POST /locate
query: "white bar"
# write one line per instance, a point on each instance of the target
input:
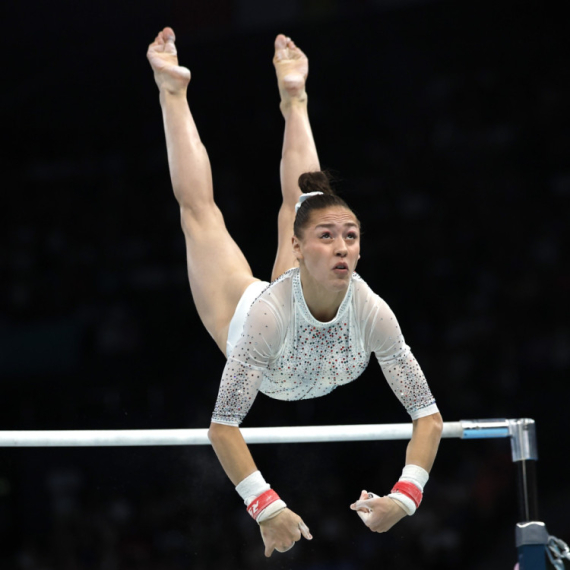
(302, 434)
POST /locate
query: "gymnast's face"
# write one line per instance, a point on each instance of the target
(329, 248)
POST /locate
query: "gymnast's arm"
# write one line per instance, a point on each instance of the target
(278, 533)
(240, 383)
(424, 444)
(405, 377)
(232, 451)
(380, 514)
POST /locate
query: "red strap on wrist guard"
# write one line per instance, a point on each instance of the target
(410, 490)
(262, 502)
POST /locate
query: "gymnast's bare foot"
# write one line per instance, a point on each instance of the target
(292, 68)
(163, 59)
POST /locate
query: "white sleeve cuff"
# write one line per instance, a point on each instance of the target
(423, 412)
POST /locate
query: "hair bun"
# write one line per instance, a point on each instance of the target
(318, 181)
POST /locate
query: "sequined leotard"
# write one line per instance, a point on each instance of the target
(287, 354)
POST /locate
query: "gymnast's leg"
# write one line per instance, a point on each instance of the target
(217, 269)
(299, 151)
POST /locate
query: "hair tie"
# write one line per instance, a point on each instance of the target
(303, 197)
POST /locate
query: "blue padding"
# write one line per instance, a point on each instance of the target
(486, 433)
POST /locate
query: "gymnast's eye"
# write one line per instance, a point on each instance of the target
(325, 235)
(352, 235)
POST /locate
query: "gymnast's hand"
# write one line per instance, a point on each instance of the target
(379, 514)
(282, 531)
(163, 59)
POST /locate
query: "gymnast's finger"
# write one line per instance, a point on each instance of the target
(362, 505)
(305, 531)
(269, 548)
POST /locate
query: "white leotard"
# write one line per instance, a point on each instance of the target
(287, 354)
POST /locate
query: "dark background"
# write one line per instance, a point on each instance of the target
(448, 125)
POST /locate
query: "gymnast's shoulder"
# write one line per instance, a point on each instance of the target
(273, 306)
(372, 312)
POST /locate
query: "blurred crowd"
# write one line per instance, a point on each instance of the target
(449, 130)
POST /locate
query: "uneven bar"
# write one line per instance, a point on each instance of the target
(299, 434)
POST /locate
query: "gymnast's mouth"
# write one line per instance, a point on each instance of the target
(342, 266)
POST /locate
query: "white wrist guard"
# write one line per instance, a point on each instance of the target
(416, 475)
(252, 486)
(262, 503)
(405, 502)
(408, 491)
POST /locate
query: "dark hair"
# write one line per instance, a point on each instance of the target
(319, 181)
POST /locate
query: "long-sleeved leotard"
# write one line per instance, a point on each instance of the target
(287, 354)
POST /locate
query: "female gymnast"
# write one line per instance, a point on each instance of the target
(314, 327)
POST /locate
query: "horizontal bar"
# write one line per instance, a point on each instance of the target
(300, 434)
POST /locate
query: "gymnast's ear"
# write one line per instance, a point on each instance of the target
(296, 248)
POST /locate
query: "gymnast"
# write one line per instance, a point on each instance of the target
(314, 327)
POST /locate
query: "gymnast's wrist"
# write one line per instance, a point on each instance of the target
(262, 502)
(408, 491)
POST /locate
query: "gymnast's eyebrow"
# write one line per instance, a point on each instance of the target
(352, 224)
